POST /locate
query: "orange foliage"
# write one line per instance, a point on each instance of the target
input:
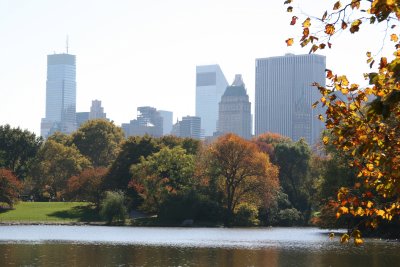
(9, 187)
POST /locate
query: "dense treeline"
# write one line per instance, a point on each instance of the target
(269, 180)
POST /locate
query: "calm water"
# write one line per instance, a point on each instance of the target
(133, 246)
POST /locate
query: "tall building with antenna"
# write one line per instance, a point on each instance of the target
(60, 94)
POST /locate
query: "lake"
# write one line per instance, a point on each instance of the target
(137, 246)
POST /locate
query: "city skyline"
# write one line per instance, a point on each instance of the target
(132, 51)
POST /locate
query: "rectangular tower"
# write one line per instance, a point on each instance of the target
(167, 121)
(60, 95)
(210, 86)
(284, 96)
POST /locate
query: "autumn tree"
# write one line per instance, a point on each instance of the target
(243, 172)
(9, 187)
(55, 164)
(99, 141)
(367, 131)
(87, 185)
(17, 149)
(162, 174)
(267, 142)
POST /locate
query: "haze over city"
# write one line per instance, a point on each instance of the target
(135, 53)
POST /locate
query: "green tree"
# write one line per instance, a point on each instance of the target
(242, 171)
(17, 149)
(98, 140)
(131, 151)
(192, 146)
(55, 164)
(9, 187)
(165, 173)
(293, 160)
(113, 207)
(60, 138)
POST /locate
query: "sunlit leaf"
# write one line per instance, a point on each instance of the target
(337, 5)
(331, 236)
(345, 238)
(358, 241)
(289, 9)
(344, 25)
(324, 16)
(329, 29)
(355, 26)
(289, 42)
(306, 23)
(325, 140)
(314, 48)
(394, 37)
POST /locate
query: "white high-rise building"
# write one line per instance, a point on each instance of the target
(210, 86)
(167, 121)
(60, 95)
(284, 96)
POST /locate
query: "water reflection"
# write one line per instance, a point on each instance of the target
(230, 247)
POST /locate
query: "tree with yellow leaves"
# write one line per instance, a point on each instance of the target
(367, 131)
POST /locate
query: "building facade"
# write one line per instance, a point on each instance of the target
(235, 110)
(97, 111)
(284, 96)
(167, 121)
(148, 121)
(60, 95)
(189, 126)
(210, 85)
(81, 118)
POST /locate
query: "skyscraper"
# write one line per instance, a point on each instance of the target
(149, 121)
(189, 126)
(284, 96)
(60, 95)
(235, 110)
(210, 85)
(97, 111)
(167, 121)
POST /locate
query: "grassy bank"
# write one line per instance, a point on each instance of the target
(49, 212)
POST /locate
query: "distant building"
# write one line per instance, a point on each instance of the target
(210, 85)
(167, 121)
(235, 110)
(81, 118)
(189, 126)
(284, 96)
(60, 95)
(97, 111)
(149, 121)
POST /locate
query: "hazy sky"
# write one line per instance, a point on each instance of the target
(135, 53)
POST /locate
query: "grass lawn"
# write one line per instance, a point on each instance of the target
(50, 212)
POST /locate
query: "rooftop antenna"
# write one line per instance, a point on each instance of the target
(67, 44)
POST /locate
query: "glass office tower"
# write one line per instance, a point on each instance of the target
(60, 95)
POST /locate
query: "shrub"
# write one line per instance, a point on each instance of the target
(246, 215)
(289, 217)
(113, 208)
(190, 205)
